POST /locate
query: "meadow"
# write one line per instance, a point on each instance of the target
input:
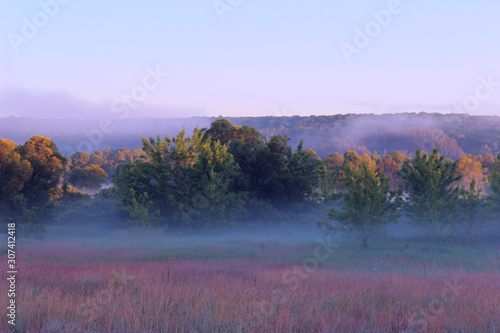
(250, 282)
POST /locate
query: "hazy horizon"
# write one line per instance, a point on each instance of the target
(181, 117)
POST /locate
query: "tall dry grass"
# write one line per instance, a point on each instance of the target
(106, 290)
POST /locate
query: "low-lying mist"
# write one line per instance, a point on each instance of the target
(89, 235)
(93, 234)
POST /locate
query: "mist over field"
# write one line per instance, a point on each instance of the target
(286, 277)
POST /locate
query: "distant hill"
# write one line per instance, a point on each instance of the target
(453, 134)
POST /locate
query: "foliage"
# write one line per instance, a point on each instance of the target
(29, 179)
(368, 207)
(80, 159)
(70, 194)
(101, 209)
(327, 183)
(272, 171)
(48, 166)
(228, 173)
(452, 134)
(221, 130)
(137, 206)
(30, 219)
(431, 198)
(185, 178)
(471, 202)
(15, 171)
(494, 189)
(89, 177)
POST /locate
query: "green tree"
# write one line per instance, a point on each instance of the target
(221, 130)
(138, 208)
(471, 202)
(432, 200)
(186, 179)
(326, 183)
(368, 207)
(29, 179)
(333, 177)
(283, 177)
(248, 148)
(90, 177)
(15, 172)
(352, 160)
(270, 170)
(494, 189)
(72, 195)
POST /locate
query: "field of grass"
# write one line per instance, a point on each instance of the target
(154, 283)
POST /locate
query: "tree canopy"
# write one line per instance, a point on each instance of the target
(432, 199)
(368, 207)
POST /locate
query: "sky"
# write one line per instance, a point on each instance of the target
(183, 58)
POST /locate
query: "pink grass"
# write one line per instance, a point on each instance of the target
(243, 295)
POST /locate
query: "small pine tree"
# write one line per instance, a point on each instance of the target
(137, 206)
(432, 200)
(494, 191)
(471, 202)
(369, 205)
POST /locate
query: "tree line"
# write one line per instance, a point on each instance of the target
(225, 173)
(453, 134)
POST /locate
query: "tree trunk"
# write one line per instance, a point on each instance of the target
(365, 243)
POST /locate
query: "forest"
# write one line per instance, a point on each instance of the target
(226, 174)
(453, 134)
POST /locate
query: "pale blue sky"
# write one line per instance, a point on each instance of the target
(279, 57)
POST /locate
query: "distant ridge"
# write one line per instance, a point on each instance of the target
(453, 134)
